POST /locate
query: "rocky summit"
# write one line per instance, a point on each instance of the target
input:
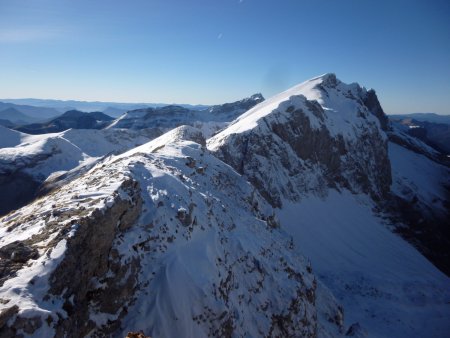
(317, 135)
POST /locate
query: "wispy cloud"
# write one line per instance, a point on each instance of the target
(28, 34)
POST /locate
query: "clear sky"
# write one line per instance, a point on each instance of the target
(213, 51)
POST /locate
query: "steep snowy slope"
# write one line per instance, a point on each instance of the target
(319, 153)
(28, 160)
(169, 239)
(166, 239)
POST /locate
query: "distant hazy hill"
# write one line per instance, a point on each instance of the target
(72, 119)
(36, 113)
(15, 116)
(114, 109)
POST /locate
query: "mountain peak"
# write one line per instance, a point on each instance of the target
(323, 122)
(257, 97)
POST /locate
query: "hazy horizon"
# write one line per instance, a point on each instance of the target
(9, 100)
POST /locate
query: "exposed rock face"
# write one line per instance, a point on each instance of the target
(371, 102)
(146, 240)
(295, 145)
(89, 256)
(167, 117)
(88, 235)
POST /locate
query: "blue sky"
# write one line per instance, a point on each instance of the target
(213, 51)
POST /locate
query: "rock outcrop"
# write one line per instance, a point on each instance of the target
(69, 247)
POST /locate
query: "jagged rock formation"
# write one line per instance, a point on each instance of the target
(165, 238)
(318, 134)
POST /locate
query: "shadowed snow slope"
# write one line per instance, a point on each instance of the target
(382, 281)
(165, 238)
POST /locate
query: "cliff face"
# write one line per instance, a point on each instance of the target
(316, 135)
(166, 239)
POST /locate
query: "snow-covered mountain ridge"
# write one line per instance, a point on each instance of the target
(198, 236)
(192, 247)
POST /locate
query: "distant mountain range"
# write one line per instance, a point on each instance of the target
(210, 119)
(27, 113)
(114, 109)
(15, 116)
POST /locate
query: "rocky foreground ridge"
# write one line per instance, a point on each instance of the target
(165, 238)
